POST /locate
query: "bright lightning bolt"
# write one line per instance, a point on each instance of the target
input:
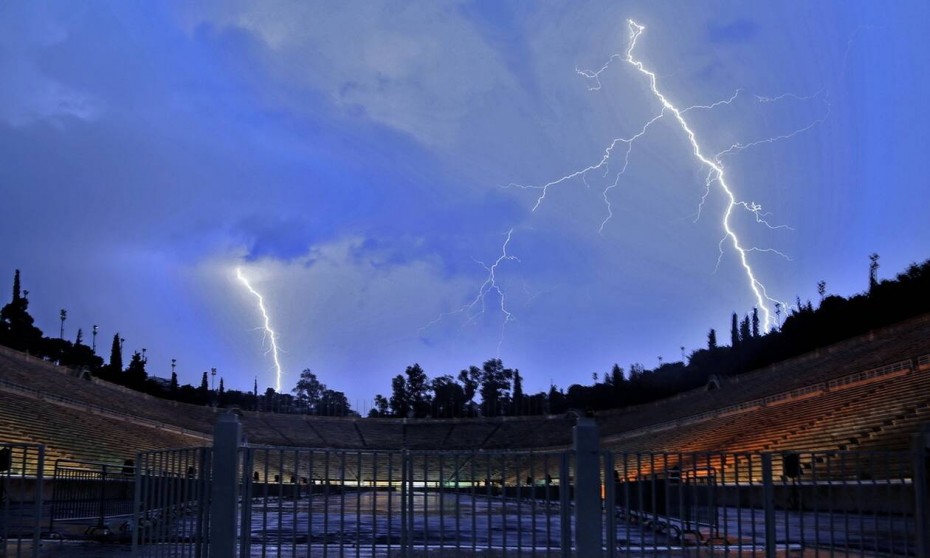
(624, 145)
(715, 169)
(267, 326)
(715, 175)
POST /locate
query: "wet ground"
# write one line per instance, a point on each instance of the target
(382, 524)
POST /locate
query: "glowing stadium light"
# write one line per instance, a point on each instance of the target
(269, 332)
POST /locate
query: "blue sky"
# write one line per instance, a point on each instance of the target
(361, 163)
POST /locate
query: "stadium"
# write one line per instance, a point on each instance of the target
(824, 454)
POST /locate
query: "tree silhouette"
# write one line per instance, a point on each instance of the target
(470, 378)
(116, 357)
(173, 386)
(17, 329)
(448, 397)
(204, 391)
(417, 388)
(135, 373)
(734, 331)
(873, 271)
(745, 333)
(400, 402)
(380, 408)
(494, 387)
(309, 391)
(711, 340)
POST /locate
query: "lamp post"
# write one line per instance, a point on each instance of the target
(212, 378)
(63, 315)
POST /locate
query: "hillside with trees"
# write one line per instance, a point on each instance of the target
(494, 389)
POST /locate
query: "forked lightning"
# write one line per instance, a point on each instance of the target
(267, 327)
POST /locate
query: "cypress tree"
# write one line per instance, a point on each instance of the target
(116, 355)
(173, 387)
(204, 387)
(16, 288)
(745, 332)
(734, 331)
(712, 340)
(17, 329)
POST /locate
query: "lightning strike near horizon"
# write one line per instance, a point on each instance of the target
(622, 147)
(715, 175)
(269, 332)
(715, 169)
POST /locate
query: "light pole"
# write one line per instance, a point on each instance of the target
(212, 378)
(94, 346)
(63, 315)
(144, 360)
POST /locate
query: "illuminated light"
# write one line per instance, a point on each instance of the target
(269, 332)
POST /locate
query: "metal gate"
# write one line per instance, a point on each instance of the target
(230, 501)
(88, 497)
(21, 493)
(172, 502)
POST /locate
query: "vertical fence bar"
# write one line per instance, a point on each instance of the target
(37, 510)
(921, 447)
(245, 521)
(610, 504)
(768, 505)
(587, 488)
(404, 488)
(565, 517)
(225, 491)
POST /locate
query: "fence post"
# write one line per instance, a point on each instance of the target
(921, 494)
(224, 495)
(587, 488)
(768, 504)
(565, 516)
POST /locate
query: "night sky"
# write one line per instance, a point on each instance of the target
(375, 171)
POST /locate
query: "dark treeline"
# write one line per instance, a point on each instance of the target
(494, 389)
(805, 328)
(18, 331)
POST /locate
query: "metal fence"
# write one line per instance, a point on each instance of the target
(768, 504)
(260, 501)
(21, 495)
(88, 497)
(172, 499)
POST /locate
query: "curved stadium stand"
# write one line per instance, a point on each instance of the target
(869, 392)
